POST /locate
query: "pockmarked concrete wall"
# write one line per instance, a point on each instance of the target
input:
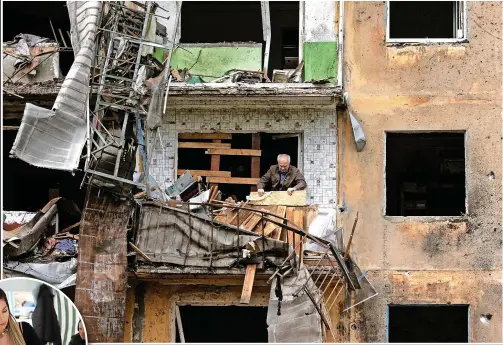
(424, 87)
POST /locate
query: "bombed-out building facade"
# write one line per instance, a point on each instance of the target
(140, 130)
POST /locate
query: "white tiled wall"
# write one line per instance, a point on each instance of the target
(317, 125)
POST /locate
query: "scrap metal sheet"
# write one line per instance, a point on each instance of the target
(166, 234)
(55, 138)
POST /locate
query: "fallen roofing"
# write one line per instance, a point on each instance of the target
(55, 138)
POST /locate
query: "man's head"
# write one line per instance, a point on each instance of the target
(283, 162)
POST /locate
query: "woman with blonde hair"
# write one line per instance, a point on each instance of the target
(11, 331)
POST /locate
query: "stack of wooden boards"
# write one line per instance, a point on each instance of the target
(296, 216)
(299, 217)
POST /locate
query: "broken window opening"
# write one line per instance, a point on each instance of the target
(32, 17)
(214, 22)
(226, 324)
(435, 323)
(425, 174)
(216, 17)
(284, 52)
(28, 188)
(235, 166)
(410, 21)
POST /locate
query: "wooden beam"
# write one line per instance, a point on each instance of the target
(233, 180)
(255, 161)
(221, 136)
(10, 128)
(248, 283)
(215, 162)
(234, 152)
(194, 145)
(138, 250)
(204, 173)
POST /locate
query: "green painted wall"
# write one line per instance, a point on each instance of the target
(320, 61)
(215, 61)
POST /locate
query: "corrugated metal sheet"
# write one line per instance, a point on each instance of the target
(55, 138)
(166, 234)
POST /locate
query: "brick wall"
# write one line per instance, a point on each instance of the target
(100, 293)
(317, 125)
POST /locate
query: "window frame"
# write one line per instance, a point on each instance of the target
(463, 21)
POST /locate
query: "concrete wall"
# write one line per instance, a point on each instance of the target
(150, 308)
(319, 39)
(216, 59)
(424, 88)
(316, 125)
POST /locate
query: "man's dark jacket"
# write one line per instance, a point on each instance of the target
(76, 340)
(44, 318)
(271, 179)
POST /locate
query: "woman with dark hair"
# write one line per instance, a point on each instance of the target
(79, 338)
(11, 331)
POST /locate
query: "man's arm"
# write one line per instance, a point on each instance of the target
(299, 181)
(264, 180)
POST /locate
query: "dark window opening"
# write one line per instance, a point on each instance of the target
(216, 22)
(284, 51)
(428, 324)
(271, 144)
(425, 19)
(32, 17)
(425, 174)
(28, 188)
(227, 324)
(212, 22)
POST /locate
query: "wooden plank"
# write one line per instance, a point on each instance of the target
(255, 161)
(281, 235)
(298, 198)
(215, 162)
(243, 216)
(270, 227)
(10, 128)
(137, 250)
(233, 180)
(298, 220)
(195, 145)
(179, 324)
(289, 216)
(234, 152)
(252, 221)
(248, 283)
(205, 173)
(188, 136)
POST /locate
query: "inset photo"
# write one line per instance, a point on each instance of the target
(35, 313)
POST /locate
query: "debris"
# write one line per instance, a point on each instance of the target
(142, 254)
(180, 185)
(281, 76)
(346, 252)
(53, 272)
(241, 76)
(359, 136)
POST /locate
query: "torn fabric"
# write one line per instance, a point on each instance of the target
(55, 138)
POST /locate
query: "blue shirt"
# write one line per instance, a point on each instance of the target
(282, 177)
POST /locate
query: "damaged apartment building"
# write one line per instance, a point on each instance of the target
(135, 133)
